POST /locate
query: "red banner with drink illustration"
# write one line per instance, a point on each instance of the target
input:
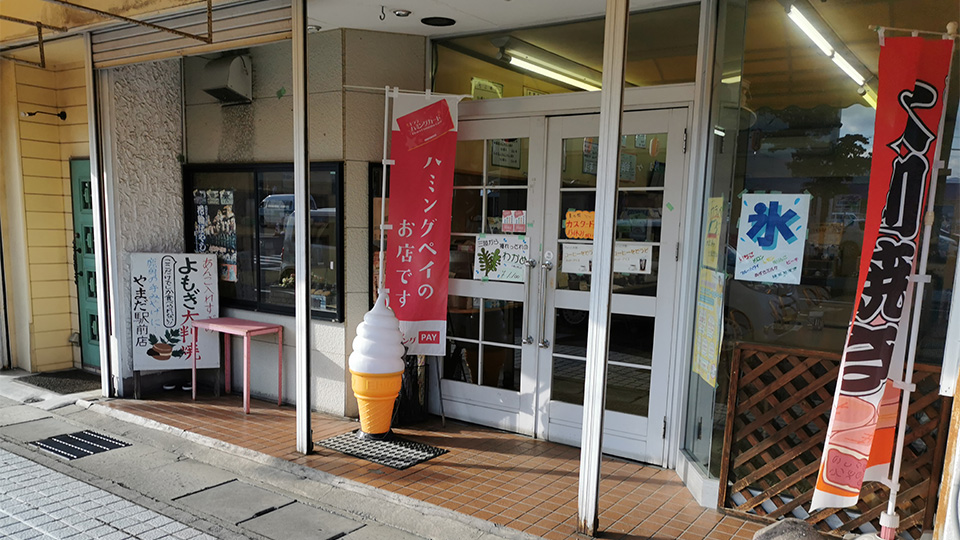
(861, 435)
(423, 145)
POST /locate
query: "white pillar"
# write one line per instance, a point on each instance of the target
(301, 194)
(608, 168)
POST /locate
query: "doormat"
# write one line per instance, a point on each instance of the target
(79, 444)
(70, 381)
(396, 453)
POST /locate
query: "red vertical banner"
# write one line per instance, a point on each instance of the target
(423, 146)
(861, 435)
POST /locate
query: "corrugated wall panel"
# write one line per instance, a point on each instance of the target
(234, 26)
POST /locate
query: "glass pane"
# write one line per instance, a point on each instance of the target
(576, 201)
(638, 215)
(570, 333)
(467, 209)
(463, 314)
(468, 169)
(636, 267)
(500, 201)
(501, 367)
(579, 165)
(508, 162)
(461, 362)
(461, 256)
(568, 376)
(628, 390)
(503, 322)
(631, 339)
(643, 159)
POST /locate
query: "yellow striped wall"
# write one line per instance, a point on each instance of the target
(46, 146)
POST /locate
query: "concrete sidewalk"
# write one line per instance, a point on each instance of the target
(213, 487)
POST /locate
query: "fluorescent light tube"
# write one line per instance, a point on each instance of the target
(842, 63)
(733, 79)
(523, 64)
(870, 100)
(810, 31)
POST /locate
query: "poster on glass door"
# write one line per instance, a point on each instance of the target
(772, 234)
(167, 292)
(628, 258)
(501, 258)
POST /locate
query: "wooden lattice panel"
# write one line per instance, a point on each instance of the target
(777, 417)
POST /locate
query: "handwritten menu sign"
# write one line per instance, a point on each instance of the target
(772, 234)
(628, 258)
(579, 224)
(168, 291)
(500, 258)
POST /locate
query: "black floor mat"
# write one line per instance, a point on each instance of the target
(79, 444)
(64, 382)
(396, 453)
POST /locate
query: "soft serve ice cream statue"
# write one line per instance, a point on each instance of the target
(376, 367)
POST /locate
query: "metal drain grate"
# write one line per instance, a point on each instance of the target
(79, 444)
(396, 453)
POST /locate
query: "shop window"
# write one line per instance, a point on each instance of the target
(788, 120)
(244, 213)
(662, 49)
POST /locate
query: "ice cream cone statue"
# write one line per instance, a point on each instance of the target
(376, 366)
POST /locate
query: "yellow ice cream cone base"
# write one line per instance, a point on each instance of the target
(376, 394)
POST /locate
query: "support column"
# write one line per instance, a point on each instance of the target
(608, 168)
(301, 194)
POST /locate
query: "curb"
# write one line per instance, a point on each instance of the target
(312, 474)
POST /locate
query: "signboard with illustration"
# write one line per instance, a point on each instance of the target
(772, 234)
(628, 258)
(215, 230)
(167, 292)
(500, 258)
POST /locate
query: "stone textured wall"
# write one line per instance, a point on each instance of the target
(146, 131)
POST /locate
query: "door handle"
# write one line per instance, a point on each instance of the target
(528, 266)
(545, 267)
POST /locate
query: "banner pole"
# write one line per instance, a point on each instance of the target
(889, 520)
(383, 184)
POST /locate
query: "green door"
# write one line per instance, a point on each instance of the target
(84, 261)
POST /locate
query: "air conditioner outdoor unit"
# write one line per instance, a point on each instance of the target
(229, 79)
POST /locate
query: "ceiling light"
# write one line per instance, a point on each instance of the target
(523, 64)
(438, 21)
(734, 79)
(870, 100)
(842, 63)
(524, 55)
(810, 31)
(402, 12)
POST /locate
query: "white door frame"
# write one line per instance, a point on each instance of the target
(680, 96)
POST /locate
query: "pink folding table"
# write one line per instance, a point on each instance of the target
(247, 329)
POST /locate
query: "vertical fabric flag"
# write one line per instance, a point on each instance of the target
(423, 145)
(860, 438)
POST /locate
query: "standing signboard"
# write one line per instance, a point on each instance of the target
(423, 145)
(863, 422)
(167, 292)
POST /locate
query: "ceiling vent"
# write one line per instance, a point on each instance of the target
(229, 79)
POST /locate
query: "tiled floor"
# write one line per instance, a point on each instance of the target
(505, 478)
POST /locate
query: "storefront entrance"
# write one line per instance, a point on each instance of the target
(517, 349)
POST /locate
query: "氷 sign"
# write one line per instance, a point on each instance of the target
(423, 146)
(863, 422)
(167, 292)
(772, 234)
(500, 258)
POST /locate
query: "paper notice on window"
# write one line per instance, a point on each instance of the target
(500, 258)
(628, 258)
(579, 224)
(709, 331)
